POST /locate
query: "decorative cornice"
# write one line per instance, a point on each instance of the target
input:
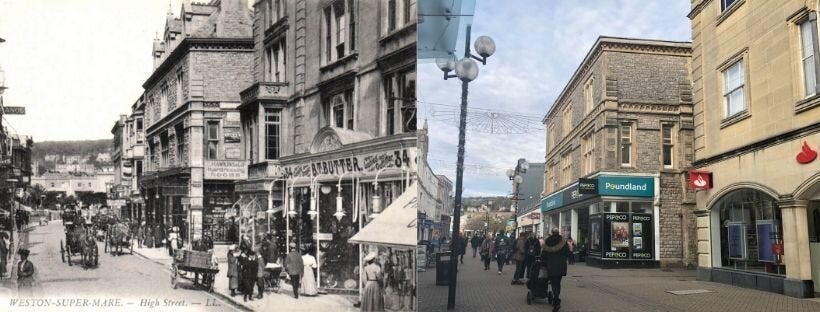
(276, 30)
(698, 8)
(758, 145)
(649, 108)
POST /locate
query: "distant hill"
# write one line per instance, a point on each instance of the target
(86, 149)
(495, 202)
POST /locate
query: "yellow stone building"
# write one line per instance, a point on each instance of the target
(757, 129)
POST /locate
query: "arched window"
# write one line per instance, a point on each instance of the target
(747, 232)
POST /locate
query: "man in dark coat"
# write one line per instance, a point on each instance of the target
(474, 242)
(533, 249)
(295, 268)
(249, 267)
(555, 253)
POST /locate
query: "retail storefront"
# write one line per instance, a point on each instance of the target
(612, 218)
(530, 222)
(321, 199)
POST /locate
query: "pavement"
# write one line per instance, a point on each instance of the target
(593, 289)
(283, 300)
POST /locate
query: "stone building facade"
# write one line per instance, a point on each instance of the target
(624, 120)
(329, 129)
(757, 133)
(192, 127)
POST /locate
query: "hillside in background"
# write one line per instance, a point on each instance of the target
(86, 149)
(495, 202)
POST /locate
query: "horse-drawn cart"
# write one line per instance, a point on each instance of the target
(118, 236)
(77, 241)
(197, 262)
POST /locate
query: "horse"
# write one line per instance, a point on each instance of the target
(118, 236)
(88, 248)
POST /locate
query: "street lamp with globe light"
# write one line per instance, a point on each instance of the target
(466, 70)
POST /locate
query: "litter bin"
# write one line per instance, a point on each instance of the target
(443, 260)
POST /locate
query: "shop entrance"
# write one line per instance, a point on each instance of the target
(813, 222)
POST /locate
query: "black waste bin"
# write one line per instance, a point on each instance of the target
(443, 260)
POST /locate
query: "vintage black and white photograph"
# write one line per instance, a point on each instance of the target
(212, 155)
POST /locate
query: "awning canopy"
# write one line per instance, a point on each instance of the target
(396, 225)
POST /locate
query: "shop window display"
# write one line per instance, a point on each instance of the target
(218, 200)
(339, 258)
(399, 277)
(749, 228)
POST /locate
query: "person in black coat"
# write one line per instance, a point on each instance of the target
(555, 253)
(475, 242)
(249, 268)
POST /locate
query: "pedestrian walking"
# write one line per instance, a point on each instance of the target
(461, 244)
(571, 244)
(555, 253)
(233, 269)
(25, 275)
(511, 240)
(249, 268)
(173, 241)
(519, 252)
(148, 240)
(295, 268)
(261, 275)
(308, 279)
(487, 245)
(141, 234)
(501, 250)
(373, 294)
(475, 242)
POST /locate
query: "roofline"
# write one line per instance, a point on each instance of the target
(599, 47)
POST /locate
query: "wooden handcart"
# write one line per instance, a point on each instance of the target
(197, 262)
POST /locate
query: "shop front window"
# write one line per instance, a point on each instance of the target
(218, 200)
(748, 230)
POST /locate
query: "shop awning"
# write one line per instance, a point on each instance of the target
(395, 226)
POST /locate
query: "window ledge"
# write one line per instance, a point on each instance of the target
(807, 103)
(339, 62)
(728, 11)
(397, 32)
(737, 117)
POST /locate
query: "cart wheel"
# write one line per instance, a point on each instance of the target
(529, 298)
(62, 251)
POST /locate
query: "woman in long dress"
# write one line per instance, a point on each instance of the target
(373, 295)
(308, 279)
(233, 269)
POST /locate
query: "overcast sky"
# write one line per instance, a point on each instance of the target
(539, 44)
(76, 65)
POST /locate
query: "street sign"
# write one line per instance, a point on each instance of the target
(14, 110)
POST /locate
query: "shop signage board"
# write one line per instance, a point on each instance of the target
(626, 186)
(362, 163)
(568, 196)
(14, 110)
(700, 180)
(588, 186)
(226, 170)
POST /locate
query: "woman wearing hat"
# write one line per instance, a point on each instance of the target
(308, 279)
(25, 275)
(233, 269)
(173, 241)
(373, 295)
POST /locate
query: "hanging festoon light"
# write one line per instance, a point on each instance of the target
(292, 204)
(377, 200)
(340, 213)
(312, 213)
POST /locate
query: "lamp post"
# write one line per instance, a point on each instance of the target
(467, 70)
(515, 176)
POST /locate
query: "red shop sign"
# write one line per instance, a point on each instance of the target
(806, 154)
(700, 180)
(535, 216)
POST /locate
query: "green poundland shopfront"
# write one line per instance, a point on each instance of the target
(612, 218)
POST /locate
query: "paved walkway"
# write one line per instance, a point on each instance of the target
(592, 289)
(282, 301)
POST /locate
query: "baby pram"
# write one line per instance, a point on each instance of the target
(538, 284)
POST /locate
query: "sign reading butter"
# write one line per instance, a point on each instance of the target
(403, 158)
(226, 170)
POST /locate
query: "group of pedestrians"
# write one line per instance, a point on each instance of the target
(247, 268)
(555, 251)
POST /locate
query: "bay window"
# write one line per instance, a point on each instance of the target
(272, 133)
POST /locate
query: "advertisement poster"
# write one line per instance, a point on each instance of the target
(765, 239)
(642, 237)
(637, 229)
(620, 235)
(637, 243)
(737, 242)
(595, 233)
(231, 135)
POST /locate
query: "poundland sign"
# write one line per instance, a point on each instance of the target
(626, 186)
